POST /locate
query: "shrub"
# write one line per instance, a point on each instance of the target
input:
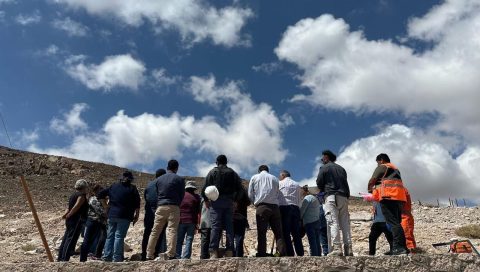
(469, 231)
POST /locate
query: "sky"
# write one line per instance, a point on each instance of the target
(135, 83)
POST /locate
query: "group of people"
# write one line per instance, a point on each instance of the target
(174, 212)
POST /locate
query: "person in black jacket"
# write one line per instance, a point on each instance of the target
(75, 216)
(123, 208)
(170, 192)
(240, 221)
(228, 184)
(332, 180)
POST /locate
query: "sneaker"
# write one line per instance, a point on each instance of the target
(213, 254)
(348, 251)
(387, 253)
(401, 251)
(228, 254)
(161, 257)
(335, 252)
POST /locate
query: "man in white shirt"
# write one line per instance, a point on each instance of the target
(263, 191)
(290, 213)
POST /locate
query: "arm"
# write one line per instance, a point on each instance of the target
(137, 206)
(303, 208)
(377, 175)
(76, 207)
(251, 191)
(320, 180)
(208, 182)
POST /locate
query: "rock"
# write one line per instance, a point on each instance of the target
(2, 216)
(127, 247)
(31, 252)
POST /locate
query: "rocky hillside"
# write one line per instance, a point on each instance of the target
(51, 180)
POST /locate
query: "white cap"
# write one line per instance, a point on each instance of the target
(212, 192)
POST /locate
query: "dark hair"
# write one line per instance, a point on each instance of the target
(97, 188)
(285, 173)
(172, 165)
(127, 175)
(160, 172)
(263, 167)
(222, 160)
(383, 157)
(331, 156)
(305, 189)
(190, 190)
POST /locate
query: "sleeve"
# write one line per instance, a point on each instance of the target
(136, 198)
(208, 182)
(304, 206)
(251, 190)
(320, 180)
(182, 189)
(103, 193)
(377, 175)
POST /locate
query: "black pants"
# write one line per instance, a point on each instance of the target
(269, 214)
(392, 210)
(70, 238)
(239, 227)
(291, 229)
(204, 243)
(92, 230)
(375, 231)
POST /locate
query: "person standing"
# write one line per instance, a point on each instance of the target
(264, 192)
(189, 211)
(94, 224)
(386, 187)
(310, 214)
(123, 208)
(170, 192)
(290, 213)
(332, 180)
(205, 229)
(378, 227)
(323, 225)
(228, 184)
(240, 221)
(408, 223)
(74, 216)
(151, 199)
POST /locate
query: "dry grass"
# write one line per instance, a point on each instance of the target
(469, 231)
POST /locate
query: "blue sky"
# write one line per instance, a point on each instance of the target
(135, 83)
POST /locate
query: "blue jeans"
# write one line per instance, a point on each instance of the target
(92, 231)
(313, 234)
(239, 227)
(291, 229)
(323, 233)
(221, 215)
(116, 232)
(187, 230)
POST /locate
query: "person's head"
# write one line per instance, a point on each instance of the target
(221, 160)
(328, 156)
(81, 185)
(96, 189)
(382, 158)
(263, 167)
(173, 166)
(127, 176)
(305, 190)
(160, 172)
(283, 174)
(190, 186)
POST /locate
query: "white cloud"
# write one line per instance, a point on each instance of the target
(119, 71)
(161, 78)
(428, 169)
(268, 68)
(71, 121)
(2, 15)
(195, 20)
(251, 135)
(71, 27)
(29, 19)
(344, 71)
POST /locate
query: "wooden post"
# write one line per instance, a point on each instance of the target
(438, 203)
(37, 221)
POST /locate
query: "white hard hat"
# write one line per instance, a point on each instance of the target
(212, 192)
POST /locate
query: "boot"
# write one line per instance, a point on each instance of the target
(213, 254)
(336, 251)
(228, 253)
(347, 250)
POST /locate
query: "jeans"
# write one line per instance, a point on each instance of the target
(70, 238)
(239, 227)
(323, 233)
(269, 214)
(205, 243)
(148, 222)
(392, 210)
(338, 219)
(164, 215)
(375, 231)
(185, 232)
(92, 232)
(221, 215)
(116, 232)
(313, 234)
(291, 229)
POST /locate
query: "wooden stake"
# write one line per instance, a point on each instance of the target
(37, 221)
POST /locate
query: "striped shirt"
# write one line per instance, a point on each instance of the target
(263, 188)
(291, 191)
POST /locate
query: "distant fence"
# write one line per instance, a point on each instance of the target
(452, 202)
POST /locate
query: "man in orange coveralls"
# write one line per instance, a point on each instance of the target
(408, 223)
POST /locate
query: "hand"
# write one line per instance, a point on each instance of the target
(367, 197)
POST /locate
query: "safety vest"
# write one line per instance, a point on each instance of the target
(391, 186)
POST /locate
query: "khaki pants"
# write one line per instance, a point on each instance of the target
(165, 214)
